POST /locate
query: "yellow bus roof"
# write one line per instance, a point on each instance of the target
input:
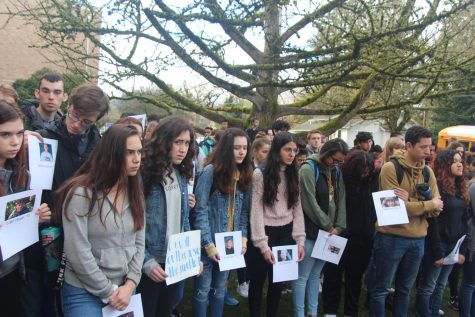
(459, 131)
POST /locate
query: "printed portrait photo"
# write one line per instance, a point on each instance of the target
(19, 207)
(390, 202)
(229, 244)
(129, 314)
(46, 153)
(284, 255)
(334, 249)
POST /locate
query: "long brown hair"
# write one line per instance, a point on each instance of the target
(8, 113)
(224, 164)
(450, 184)
(157, 164)
(106, 167)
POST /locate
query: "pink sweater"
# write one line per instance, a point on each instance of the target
(276, 215)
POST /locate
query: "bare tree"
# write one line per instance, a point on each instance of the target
(355, 45)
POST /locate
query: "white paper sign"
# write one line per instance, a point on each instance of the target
(453, 256)
(390, 210)
(329, 247)
(142, 118)
(18, 222)
(41, 160)
(229, 245)
(133, 310)
(285, 267)
(183, 256)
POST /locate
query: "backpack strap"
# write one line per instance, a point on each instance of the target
(400, 171)
(314, 168)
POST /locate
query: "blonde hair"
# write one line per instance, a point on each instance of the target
(393, 144)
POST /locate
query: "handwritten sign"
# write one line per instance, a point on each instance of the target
(183, 256)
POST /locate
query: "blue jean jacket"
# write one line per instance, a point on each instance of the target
(210, 214)
(156, 218)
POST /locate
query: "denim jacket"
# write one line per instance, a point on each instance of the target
(156, 219)
(210, 214)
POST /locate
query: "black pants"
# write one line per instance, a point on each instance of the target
(158, 299)
(259, 270)
(353, 264)
(10, 288)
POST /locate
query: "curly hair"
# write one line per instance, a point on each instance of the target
(451, 184)
(157, 164)
(271, 172)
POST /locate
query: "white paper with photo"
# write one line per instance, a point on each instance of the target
(229, 245)
(41, 162)
(286, 267)
(183, 256)
(142, 118)
(134, 309)
(390, 209)
(18, 228)
(329, 247)
(453, 256)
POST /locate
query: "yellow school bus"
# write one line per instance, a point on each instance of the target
(464, 134)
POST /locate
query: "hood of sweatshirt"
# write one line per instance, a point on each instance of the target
(413, 170)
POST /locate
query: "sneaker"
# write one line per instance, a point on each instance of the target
(230, 300)
(243, 289)
(454, 303)
(441, 312)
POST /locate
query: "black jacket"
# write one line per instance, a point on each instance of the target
(449, 226)
(360, 212)
(68, 158)
(33, 120)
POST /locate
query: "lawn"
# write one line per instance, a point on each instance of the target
(285, 308)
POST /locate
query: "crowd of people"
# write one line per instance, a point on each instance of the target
(116, 200)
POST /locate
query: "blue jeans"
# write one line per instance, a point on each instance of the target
(309, 279)
(393, 256)
(77, 302)
(210, 279)
(432, 284)
(467, 290)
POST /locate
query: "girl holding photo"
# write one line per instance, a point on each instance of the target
(276, 218)
(103, 222)
(223, 201)
(14, 178)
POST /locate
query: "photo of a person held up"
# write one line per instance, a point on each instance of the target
(389, 202)
(284, 255)
(229, 244)
(46, 154)
(334, 249)
(19, 207)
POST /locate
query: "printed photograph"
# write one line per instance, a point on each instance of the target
(46, 153)
(229, 244)
(129, 314)
(389, 202)
(284, 255)
(19, 207)
(334, 249)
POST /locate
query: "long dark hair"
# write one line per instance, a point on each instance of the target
(451, 184)
(357, 162)
(224, 164)
(8, 113)
(157, 164)
(271, 172)
(106, 167)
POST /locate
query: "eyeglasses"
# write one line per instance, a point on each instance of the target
(289, 150)
(84, 122)
(337, 161)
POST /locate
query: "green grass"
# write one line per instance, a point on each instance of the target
(285, 307)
